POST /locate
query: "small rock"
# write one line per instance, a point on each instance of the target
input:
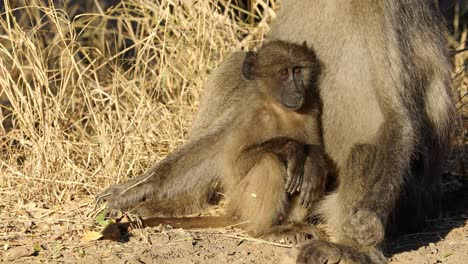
(431, 245)
(27, 225)
(187, 244)
(30, 205)
(179, 231)
(159, 228)
(18, 252)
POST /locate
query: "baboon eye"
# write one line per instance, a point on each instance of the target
(297, 70)
(284, 72)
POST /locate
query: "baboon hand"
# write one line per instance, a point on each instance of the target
(293, 153)
(311, 189)
(121, 196)
(365, 227)
(313, 184)
(295, 177)
(319, 252)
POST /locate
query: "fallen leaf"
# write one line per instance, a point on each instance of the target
(91, 236)
(37, 247)
(102, 220)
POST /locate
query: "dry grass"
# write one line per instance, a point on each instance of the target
(91, 99)
(91, 96)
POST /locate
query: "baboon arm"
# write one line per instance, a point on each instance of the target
(291, 153)
(391, 165)
(371, 182)
(177, 164)
(306, 168)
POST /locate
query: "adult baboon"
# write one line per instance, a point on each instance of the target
(387, 116)
(278, 124)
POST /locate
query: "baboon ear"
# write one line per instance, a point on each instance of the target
(304, 44)
(248, 67)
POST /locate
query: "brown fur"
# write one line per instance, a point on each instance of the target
(244, 153)
(387, 116)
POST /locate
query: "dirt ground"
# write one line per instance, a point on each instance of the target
(31, 233)
(438, 245)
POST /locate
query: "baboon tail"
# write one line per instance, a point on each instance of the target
(118, 231)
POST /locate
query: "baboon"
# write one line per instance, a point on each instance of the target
(387, 117)
(266, 154)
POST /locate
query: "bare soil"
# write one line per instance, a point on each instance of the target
(31, 233)
(224, 246)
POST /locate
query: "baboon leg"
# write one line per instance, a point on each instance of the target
(260, 197)
(370, 183)
(358, 230)
(341, 209)
(421, 195)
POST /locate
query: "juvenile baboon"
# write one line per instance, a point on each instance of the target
(265, 154)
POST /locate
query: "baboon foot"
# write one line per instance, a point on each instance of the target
(365, 227)
(319, 252)
(294, 234)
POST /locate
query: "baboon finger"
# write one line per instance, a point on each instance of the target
(292, 187)
(299, 175)
(290, 173)
(304, 197)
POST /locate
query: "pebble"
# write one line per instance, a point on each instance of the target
(18, 252)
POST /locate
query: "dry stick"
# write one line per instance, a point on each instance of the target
(260, 241)
(238, 224)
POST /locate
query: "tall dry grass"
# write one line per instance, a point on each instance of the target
(91, 99)
(91, 96)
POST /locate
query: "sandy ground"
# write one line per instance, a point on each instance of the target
(447, 242)
(33, 234)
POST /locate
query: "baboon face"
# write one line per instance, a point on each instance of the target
(284, 71)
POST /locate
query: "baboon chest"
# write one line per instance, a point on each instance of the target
(276, 121)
